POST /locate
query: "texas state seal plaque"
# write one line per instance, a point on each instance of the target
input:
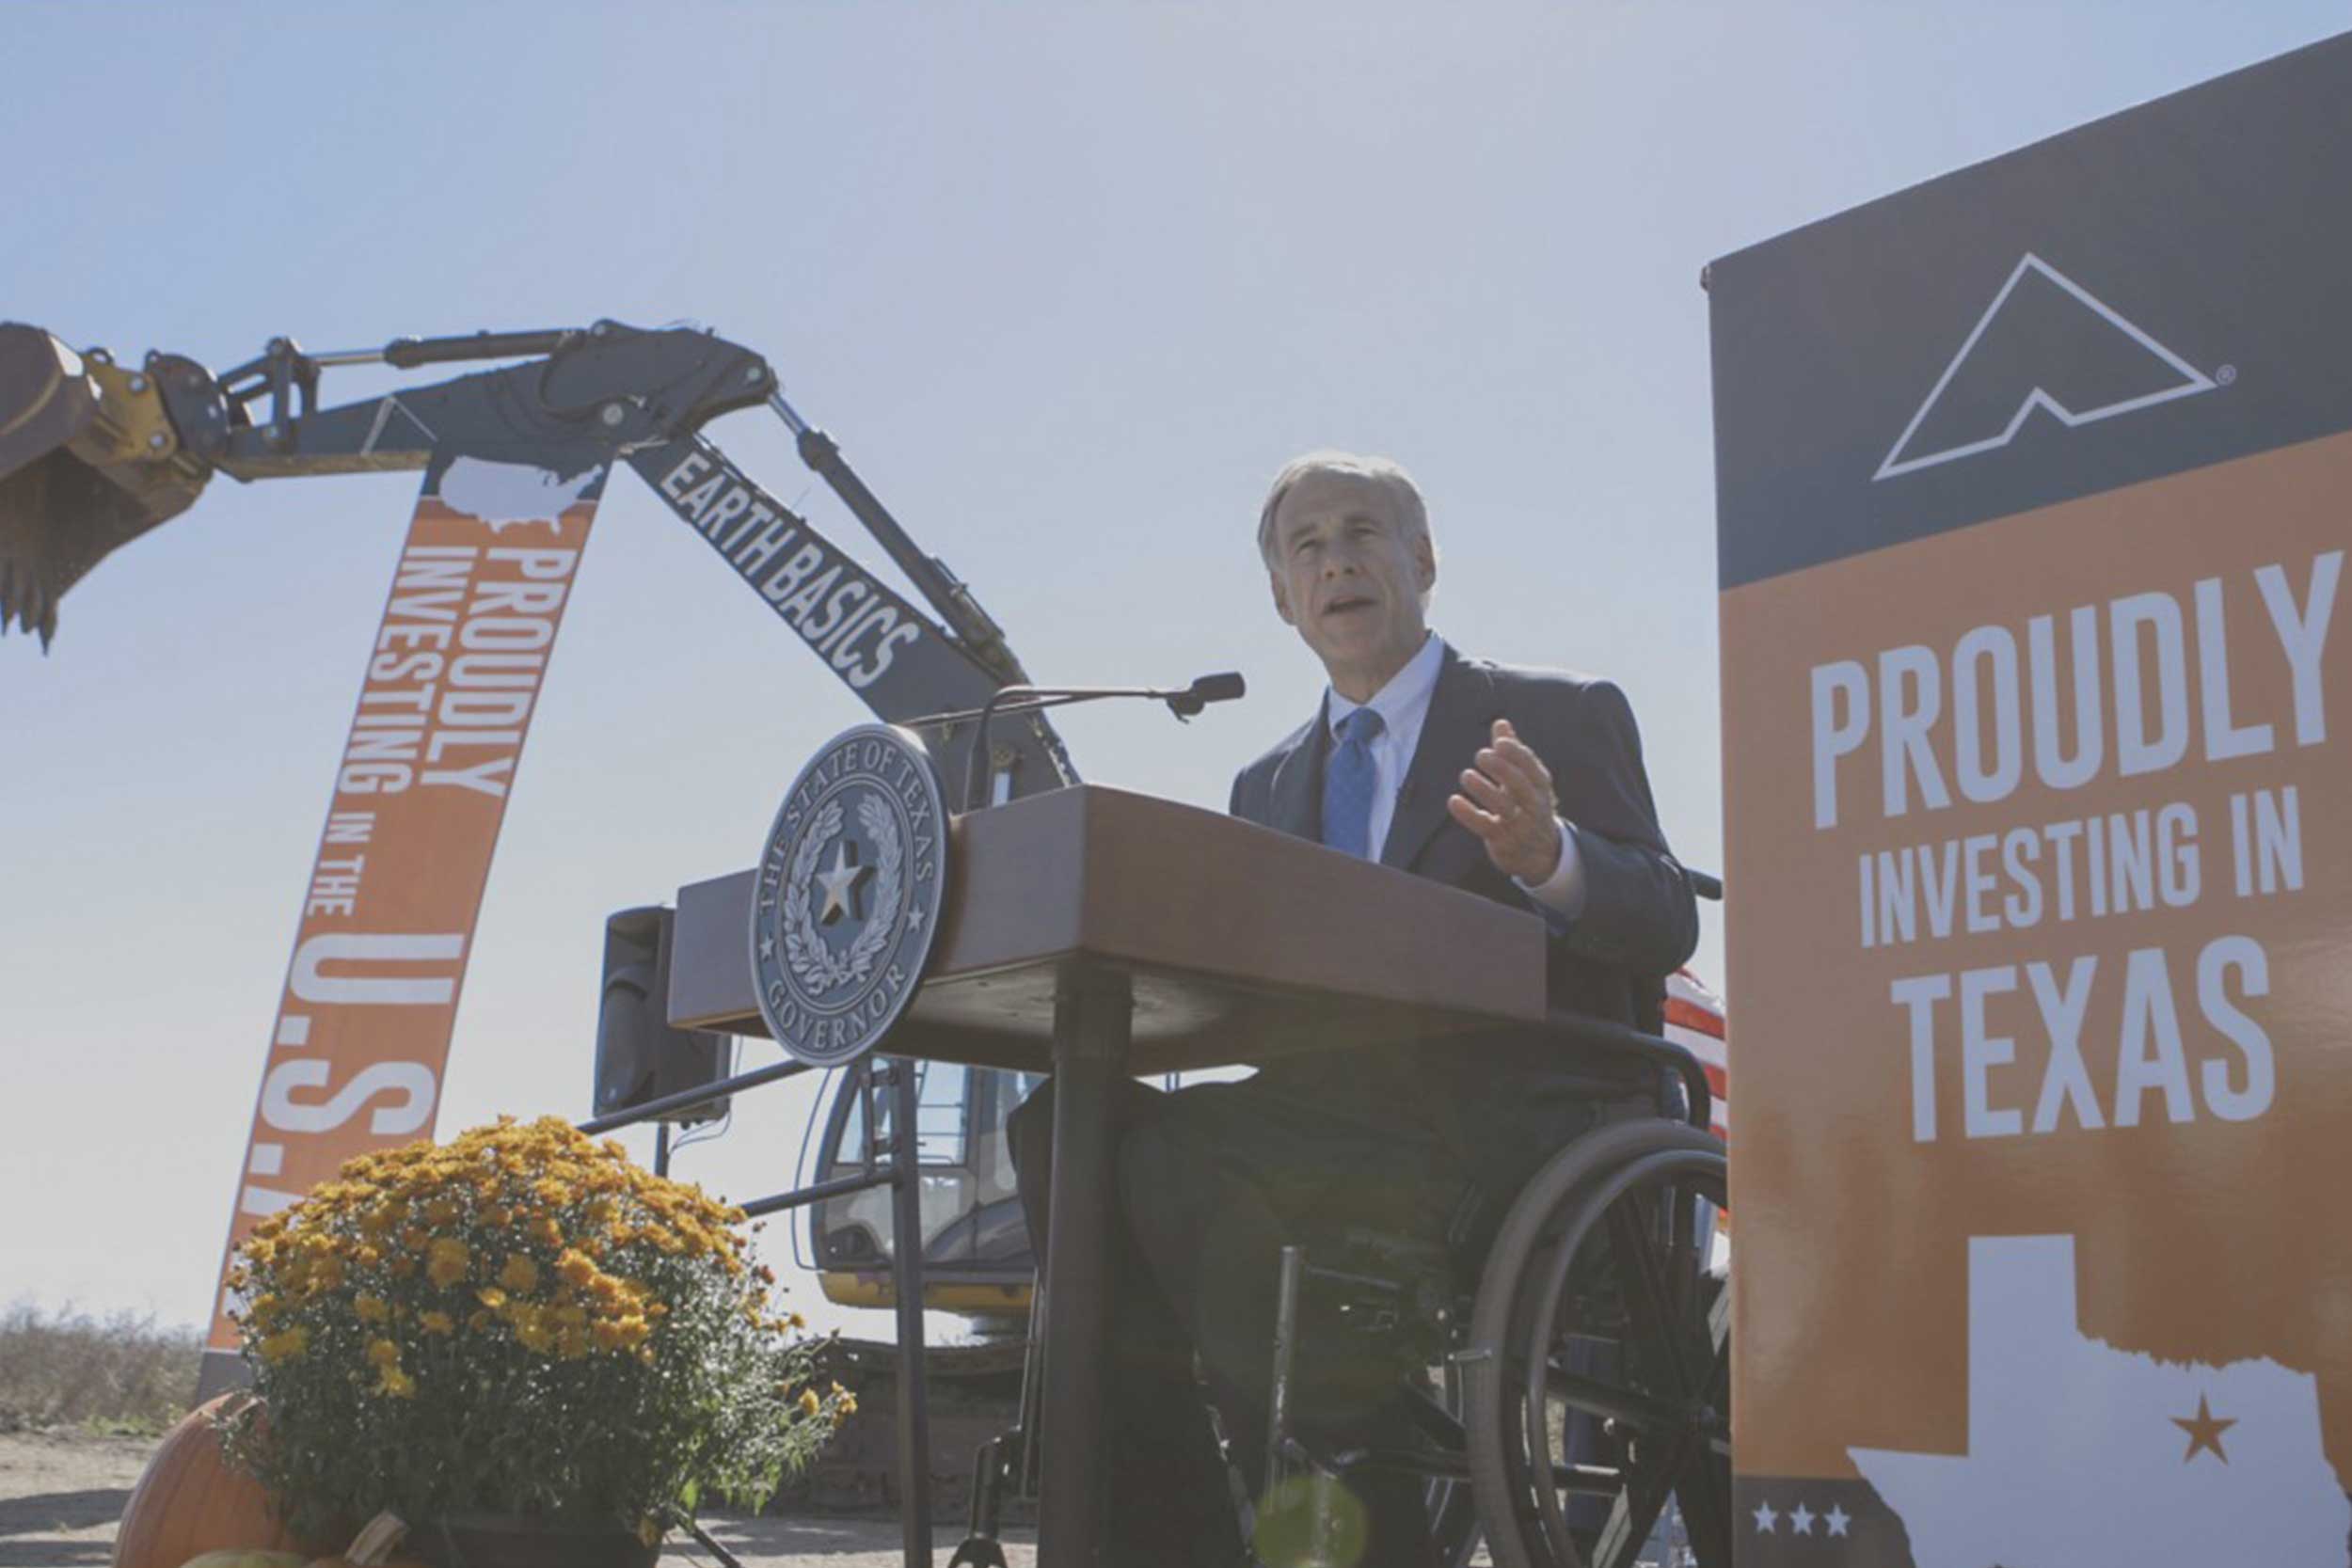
(851, 882)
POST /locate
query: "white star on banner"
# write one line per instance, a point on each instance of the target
(1766, 1520)
(1802, 1520)
(1836, 1519)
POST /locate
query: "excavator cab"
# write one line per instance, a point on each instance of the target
(977, 1259)
(89, 460)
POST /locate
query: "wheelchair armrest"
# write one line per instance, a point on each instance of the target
(1620, 1039)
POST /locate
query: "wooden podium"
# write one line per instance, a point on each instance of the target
(1093, 933)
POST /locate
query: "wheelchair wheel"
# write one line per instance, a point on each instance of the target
(1452, 1506)
(1598, 1377)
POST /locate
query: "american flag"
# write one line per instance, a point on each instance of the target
(1694, 1019)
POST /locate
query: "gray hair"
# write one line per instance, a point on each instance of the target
(1386, 473)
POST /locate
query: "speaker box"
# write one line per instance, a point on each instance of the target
(640, 1059)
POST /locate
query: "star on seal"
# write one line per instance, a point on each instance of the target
(840, 883)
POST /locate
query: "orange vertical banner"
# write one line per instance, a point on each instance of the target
(2032, 526)
(453, 674)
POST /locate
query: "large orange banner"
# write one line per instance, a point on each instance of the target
(2033, 519)
(453, 672)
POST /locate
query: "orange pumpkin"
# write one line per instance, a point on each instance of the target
(192, 1499)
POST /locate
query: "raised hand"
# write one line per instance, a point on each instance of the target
(1507, 800)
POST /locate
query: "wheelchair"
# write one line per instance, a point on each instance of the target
(1577, 1342)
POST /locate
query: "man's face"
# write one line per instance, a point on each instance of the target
(1346, 575)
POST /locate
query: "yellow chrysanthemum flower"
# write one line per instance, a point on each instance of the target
(521, 1275)
(447, 1262)
(286, 1346)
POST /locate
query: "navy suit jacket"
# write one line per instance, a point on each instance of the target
(1639, 922)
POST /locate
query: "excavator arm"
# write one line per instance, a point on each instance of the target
(92, 456)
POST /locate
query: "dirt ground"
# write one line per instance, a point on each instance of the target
(61, 1494)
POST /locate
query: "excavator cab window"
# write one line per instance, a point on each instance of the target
(975, 1247)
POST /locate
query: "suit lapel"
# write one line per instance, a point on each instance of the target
(1462, 711)
(1296, 793)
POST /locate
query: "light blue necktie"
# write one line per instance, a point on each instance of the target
(1347, 784)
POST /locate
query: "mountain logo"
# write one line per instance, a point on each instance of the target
(2045, 342)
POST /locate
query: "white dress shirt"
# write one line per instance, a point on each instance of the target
(1402, 706)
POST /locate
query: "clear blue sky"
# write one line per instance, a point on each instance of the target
(1068, 282)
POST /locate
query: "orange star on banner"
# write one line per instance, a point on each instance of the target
(2204, 1430)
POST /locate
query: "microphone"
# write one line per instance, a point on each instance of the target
(1185, 702)
(1222, 688)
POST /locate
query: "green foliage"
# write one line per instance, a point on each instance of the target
(520, 1323)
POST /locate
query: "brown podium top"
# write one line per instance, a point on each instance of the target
(1242, 943)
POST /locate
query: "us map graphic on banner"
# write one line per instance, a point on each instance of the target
(453, 676)
(2035, 488)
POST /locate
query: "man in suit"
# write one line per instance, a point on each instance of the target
(1521, 785)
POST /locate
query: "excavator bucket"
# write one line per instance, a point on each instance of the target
(88, 461)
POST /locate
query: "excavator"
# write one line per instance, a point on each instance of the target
(95, 453)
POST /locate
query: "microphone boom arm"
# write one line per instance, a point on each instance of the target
(1185, 702)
